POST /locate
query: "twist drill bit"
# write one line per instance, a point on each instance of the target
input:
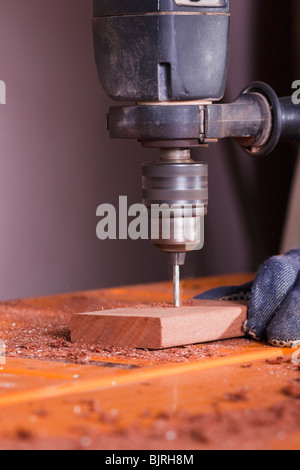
(176, 260)
(176, 285)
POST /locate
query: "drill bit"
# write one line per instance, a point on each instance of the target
(176, 285)
(176, 260)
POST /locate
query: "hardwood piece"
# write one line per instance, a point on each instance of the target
(159, 328)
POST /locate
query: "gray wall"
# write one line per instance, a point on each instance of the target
(57, 163)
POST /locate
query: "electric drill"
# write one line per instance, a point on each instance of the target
(168, 59)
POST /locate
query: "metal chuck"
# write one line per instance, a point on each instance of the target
(175, 191)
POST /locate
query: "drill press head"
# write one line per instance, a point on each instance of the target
(169, 57)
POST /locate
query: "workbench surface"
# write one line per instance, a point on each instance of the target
(234, 394)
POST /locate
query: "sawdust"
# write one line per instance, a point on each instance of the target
(37, 333)
(292, 390)
(23, 434)
(240, 395)
(43, 333)
(247, 429)
(278, 360)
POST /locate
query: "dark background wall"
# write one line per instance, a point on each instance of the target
(57, 163)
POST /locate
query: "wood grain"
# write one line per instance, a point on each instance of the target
(159, 328)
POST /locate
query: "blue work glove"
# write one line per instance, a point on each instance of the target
(274, 301)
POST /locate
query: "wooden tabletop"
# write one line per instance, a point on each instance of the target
(234, 394)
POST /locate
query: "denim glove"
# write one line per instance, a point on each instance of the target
(274, 301)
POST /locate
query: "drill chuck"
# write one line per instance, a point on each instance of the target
(176, 195)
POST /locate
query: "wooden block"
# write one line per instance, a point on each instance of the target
(159, 328)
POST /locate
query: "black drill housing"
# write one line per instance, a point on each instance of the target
(158, 50)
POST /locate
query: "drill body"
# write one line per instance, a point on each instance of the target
(162, 50)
